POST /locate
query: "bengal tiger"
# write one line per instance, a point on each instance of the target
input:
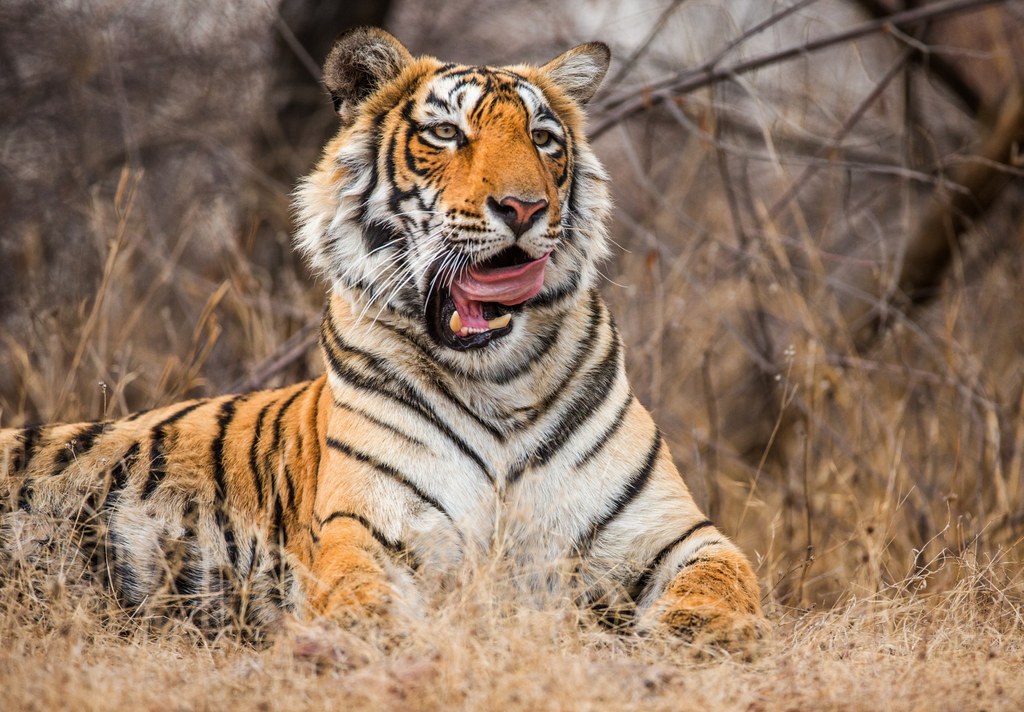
(475, 402)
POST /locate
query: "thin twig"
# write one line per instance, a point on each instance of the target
(938, 66)
(296, 47)
(627, 66)
(848, 125)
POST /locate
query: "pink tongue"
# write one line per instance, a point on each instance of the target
(503, 285)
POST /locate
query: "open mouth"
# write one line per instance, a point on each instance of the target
(479, 306)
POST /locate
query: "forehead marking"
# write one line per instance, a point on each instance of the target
(457, 92)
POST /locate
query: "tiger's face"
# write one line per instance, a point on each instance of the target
(459, 201)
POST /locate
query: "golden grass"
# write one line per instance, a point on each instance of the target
(902, 649)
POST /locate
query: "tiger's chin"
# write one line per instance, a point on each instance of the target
(482, 301)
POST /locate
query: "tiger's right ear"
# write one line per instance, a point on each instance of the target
(579, 71)
(361, 61)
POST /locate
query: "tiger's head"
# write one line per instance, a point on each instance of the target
(460, 203)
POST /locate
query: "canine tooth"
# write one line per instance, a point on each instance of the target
(455, 323)
(500, 323)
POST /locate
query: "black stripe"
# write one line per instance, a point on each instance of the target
(120, 473)
(190, 577)
(547, 339)
(250, 563)
(569, 169)
(97, 534)
(633, 488)
(456, 70)
(103, 558)
(83, 441)
(378, 235)
(254, 450)
(29, 441)
(157, 456)
(78, 444)
(526, 361)
(380, 423)
(224, 419)
(124, 579)
(385, 369)
(595, 319)
(434, 100)
(397, 196)
(275, 442)
(136, 415)
(593, 390)
(411, 132)
(607, 435)
(283, 411)
(550, 298)
(279, 526)
(96, 524)
(372, 164)
(394, 546)
(389, 471)
(639, 589)
(387, 388)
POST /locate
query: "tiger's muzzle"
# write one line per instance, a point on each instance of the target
(479, 304)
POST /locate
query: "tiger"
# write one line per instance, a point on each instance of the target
(474, 404)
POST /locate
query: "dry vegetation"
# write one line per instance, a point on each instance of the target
(819, 287)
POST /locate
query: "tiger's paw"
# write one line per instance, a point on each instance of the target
(706, 625)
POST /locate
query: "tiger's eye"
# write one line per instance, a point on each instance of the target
(445, 131)
(541, 137)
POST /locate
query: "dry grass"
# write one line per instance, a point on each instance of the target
(902, 649)
(879, 490)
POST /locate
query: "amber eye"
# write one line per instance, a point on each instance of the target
(541, 137)
(445, 131)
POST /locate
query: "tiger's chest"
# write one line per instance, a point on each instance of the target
(462, 490)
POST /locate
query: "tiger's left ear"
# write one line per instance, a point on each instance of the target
(361, 62)
(579, 71)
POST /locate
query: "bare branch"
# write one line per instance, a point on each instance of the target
(288, 353)
(935, 64)
(659, 25)
(847, 126)
(656, 93)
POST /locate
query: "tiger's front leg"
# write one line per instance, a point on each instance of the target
(349, 584)
(361, 570)
(693, 582)
(712, 599)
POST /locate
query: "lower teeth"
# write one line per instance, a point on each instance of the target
(455, 324)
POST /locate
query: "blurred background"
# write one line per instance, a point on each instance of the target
(818, 264)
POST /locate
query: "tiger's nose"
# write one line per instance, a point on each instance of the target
(517, 214)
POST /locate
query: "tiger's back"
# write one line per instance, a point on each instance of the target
(195, 509)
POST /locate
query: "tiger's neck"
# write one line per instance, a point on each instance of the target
(508, 383)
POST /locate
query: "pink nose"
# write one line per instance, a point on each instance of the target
(517, 214)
